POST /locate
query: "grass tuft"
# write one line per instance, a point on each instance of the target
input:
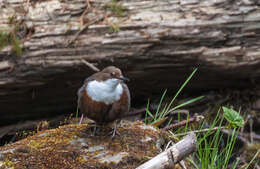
(161, 113)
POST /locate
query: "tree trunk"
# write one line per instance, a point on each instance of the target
(157, 44)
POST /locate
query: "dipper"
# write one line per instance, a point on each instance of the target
(104, 97)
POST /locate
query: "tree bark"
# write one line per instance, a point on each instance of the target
(155, 43)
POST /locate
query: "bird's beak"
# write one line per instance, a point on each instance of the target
(124, 78)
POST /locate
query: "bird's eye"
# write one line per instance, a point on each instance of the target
(113, 73)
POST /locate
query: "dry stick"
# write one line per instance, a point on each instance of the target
(184, 122)
(224, 130)
(239, 137)
(90, 65)
(201, 131)
(84, 28)
(183, 111)
(182, 164)
(251, 129)
(85, 12)
(135, 112)
(172, 155)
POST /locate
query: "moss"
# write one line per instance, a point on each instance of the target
(10, 38)
(10, 35)
(35, 144)
(8, 163)
(117, 8)
(114, 28)
(73, 146)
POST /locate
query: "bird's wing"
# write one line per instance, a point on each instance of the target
(81, 90)
(88, 79)
(126, 89)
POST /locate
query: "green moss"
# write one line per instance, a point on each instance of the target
(8, 163)
(16, 45)
(69, 146)
(35, 144)
(10, 38)
(114, 28)
(4, 39)
(117, 8)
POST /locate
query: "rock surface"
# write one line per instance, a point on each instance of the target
(73, 146)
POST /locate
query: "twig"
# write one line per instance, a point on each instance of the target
(182, 164)
(84, 28)
(85, 12)
(91, 66)
(183, 111)
(167, 146)
(200, 131)
(251, 129)
(135, 112)
(184, 122)
(239, 137)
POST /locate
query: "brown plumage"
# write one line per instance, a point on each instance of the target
(104, 97)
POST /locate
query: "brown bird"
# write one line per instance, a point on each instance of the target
(104, 97)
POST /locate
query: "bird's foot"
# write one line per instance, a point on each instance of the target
(114, 132)
(95, 130)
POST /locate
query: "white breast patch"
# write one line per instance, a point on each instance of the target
(108, 91)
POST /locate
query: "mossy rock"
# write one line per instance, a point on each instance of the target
(73, 146)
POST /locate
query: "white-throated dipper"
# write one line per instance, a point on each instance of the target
(104, 97)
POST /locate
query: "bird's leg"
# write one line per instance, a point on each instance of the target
(94, 130)
(97, 128)
(114, 131)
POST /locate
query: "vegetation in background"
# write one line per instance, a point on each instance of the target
(234, 118)
(162, 112)
(117, 8)
(214, 152)
(114, 28)
(9, 38)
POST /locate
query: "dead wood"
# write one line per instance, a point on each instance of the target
(156, 44)
(172, 155)
(194, 119)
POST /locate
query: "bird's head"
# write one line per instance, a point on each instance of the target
(112, 72)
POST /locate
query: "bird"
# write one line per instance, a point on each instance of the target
(104, 97)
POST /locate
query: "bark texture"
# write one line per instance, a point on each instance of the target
(156, 44)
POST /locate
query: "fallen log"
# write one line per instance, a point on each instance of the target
(157, 44)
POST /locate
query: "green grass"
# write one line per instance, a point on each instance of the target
(77, 113)
(211, 154)
(162, 112)
(213, 150)
(253, 159)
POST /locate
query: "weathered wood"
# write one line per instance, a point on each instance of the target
(158, 45)
(172, 155)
